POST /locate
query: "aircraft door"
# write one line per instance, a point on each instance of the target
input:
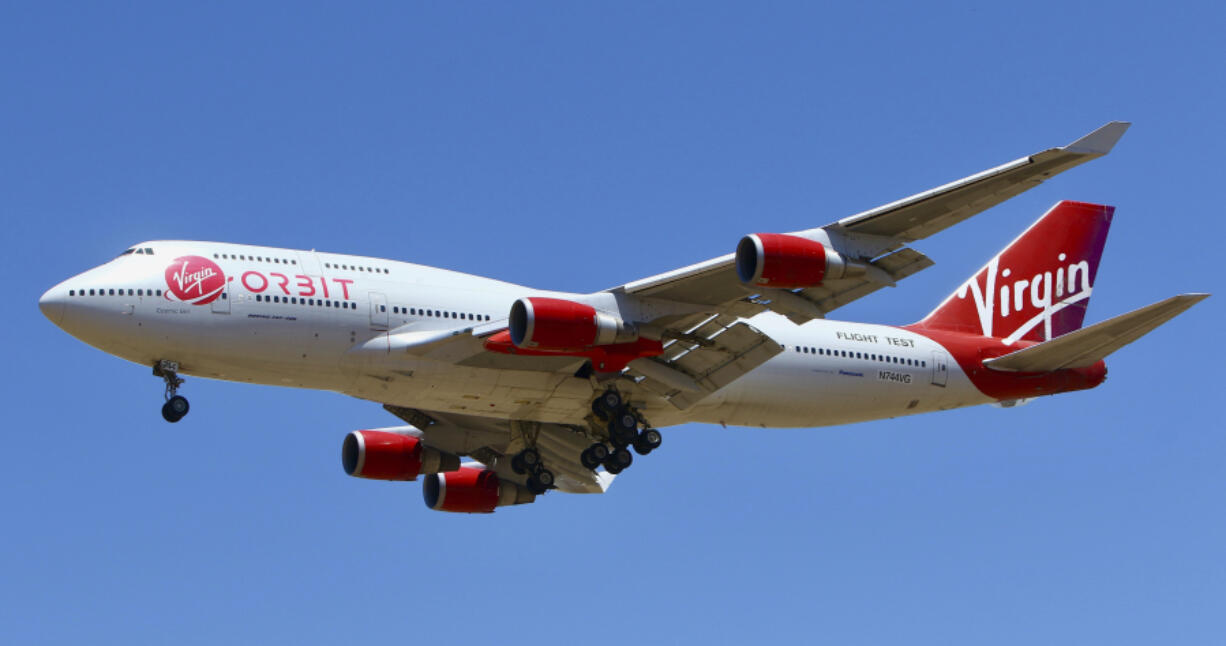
(378, 311)
(309, 263)
(940, 368)
(221, 304)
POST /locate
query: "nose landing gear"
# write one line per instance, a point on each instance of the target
(176, 405)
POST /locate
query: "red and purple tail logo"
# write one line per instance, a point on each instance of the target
(194, 280)
(1039, 286)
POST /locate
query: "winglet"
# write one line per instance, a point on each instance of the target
(1101, 141)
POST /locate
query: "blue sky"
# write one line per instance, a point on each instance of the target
(576, 147)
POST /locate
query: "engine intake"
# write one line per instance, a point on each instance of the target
(383, 455)
(557, 324)
(789, 262)
(472, 491)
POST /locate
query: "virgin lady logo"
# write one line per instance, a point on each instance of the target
(194, 280)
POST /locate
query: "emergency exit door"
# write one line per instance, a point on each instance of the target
(378, 311)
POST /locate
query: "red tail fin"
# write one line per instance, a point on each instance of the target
(1039, 286)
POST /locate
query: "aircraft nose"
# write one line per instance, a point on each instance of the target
(52, 303)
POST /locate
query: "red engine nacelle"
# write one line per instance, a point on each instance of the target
(556, 324)
(789, 262)
(381, 455)
(472, 491)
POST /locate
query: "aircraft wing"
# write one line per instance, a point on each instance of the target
(877, 237)
(492, 441)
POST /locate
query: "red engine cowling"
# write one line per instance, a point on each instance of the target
(382, 455)
(557, 324)
(472, 491)
(788, 262)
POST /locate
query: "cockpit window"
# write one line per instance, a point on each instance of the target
(128, 251)
(144, 251)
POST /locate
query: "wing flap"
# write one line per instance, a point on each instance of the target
(707, 357)
(1087, 346)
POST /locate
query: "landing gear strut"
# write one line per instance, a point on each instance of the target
(176, 405)
(623, 423)
(529, 461)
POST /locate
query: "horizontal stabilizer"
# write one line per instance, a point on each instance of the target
(1087, 346)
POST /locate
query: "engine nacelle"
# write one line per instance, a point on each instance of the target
(472, 491)
(788, 262)
(556, 324)
(380, 455)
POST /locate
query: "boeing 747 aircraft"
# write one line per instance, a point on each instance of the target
(543, 390)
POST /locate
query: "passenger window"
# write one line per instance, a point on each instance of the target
(382, 308)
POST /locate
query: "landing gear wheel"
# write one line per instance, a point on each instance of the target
(175, 408)
(530, 457)
(618, 460)
(647, 441)
(623, 428)
(593, 456)
(517, 465)
(545, 478)
(607, 404)
(535, 486)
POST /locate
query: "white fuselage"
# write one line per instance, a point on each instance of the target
(307, 319)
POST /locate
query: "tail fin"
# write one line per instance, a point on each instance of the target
(1038, 287)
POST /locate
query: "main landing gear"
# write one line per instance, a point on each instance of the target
(176, 405)
(622, 422)
(528, 461)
